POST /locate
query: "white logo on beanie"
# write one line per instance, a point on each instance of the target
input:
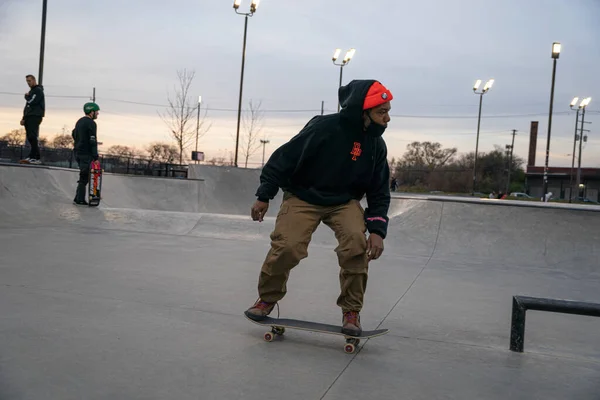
(384, 96)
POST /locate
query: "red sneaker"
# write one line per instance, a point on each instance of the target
(260, 310)
(351, 323)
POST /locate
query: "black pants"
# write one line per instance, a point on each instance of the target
(32, 128)
(84, 162)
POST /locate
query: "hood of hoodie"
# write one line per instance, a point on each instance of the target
(352, 97)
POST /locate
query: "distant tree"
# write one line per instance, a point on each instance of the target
(181, 112)
(122, 151)
(162, 152)
(63, 141)
(43, 141)
(14, 138)
(427, 154)
(253, 121)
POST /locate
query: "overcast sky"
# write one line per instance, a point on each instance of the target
(429, 53)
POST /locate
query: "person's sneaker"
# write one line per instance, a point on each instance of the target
(34, 161)
(260, 310)
(351, 323)
(25, 161)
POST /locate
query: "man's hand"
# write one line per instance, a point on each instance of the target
(22, 122)
(374, 246)
(259, 209)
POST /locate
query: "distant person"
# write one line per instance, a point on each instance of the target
(33, 113)
(85, 148)
(324, 172)
(394, 184)
(493, 194)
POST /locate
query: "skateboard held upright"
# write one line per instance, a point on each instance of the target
(95, 187)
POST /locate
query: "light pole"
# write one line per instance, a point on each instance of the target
(573, 103)
(510, 147)
(486, 88)
(253, 7)
(264, 143)
(345, 61)
(584, 103)
(555, 54)
(42, 42)
(198, 125)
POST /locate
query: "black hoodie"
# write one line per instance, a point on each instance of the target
(333, 160)
(36, 102)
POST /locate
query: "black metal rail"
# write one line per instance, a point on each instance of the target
(523, 303)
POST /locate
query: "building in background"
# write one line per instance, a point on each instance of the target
(560, 179)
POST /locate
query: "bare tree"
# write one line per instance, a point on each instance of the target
(162, 152)
(180, 114)
(123, 152)
(14, 138)
(253, 122)
(62, 141)
(427, 154)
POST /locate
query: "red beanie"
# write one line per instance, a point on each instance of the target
(376, 96)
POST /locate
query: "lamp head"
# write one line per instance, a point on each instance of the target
(556, 47)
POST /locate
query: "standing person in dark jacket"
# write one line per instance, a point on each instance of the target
(86, 148)
(324, 171)
(33, 113)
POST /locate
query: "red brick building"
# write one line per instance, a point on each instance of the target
(561, 180)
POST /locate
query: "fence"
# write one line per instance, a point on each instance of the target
(110, 163)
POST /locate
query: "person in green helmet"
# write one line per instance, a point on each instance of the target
(85, 148)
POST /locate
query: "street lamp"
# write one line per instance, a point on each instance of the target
(556, 47)
(253, 7)
(42, 42)
(198, 124)
(264, 143)
(486, 88)
(345, 61)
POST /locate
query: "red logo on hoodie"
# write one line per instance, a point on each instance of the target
(356, 151)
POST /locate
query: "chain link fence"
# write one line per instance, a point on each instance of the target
(110, 163)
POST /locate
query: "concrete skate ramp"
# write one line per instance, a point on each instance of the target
(143, 296)
(217, 202)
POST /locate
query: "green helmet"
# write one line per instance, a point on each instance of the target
(89, 107)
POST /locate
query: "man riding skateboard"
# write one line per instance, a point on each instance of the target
(86, 148)
(324, 171)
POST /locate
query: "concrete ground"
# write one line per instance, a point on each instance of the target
(143, 297)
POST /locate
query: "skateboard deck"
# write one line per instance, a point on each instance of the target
(95, 187)
(278, 326)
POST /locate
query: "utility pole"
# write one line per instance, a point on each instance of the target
(580, 146)
(512, 146)
(94, 95)
(264, 142)
(198, 126)
(322, 107)
(573, 155)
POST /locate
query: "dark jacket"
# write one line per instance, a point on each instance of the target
(35, 105)
(84, 136)
(332, 161)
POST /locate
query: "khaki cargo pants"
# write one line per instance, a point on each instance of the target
(295, 224)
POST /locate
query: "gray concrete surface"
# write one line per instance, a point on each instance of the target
(142, 298)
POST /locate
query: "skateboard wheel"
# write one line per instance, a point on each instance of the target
(268, 336)
(349, 348)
